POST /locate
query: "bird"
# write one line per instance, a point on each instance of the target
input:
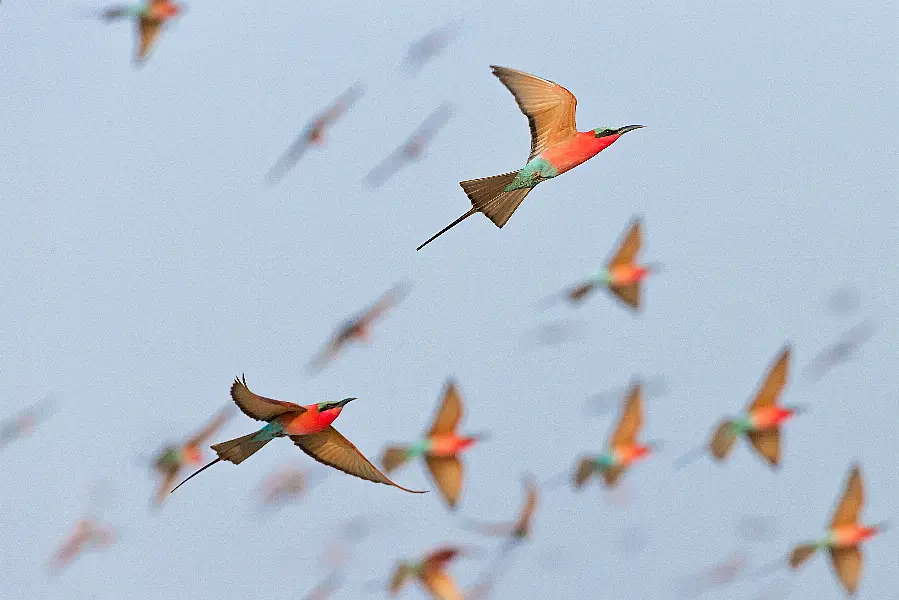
(623, 448)
(516, 531)
(25, 421)
(556, 147)
(314, 134)
(440, 447)
(622, 275)
(719, 575)
(286, 484)
(151, 17)
(357, 328)
(309, 427)
(172, 459)
(431, 574)
(844, 536)
(413, 148)
(429, 46)
(86, 535)
(840, 351)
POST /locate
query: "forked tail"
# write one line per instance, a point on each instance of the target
(394, 457)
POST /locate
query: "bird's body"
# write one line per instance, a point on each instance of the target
(150, 17)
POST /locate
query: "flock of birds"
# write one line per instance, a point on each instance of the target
(556, 147)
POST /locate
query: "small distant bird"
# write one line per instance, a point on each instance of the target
(151, 18)
(431, 574)
(309, 427)
(844, 536)
(429, 46)
(86, 535)
(286, 484)
(24, 423)
(356, 329)
(440, 447)
(719, 575)
(623, 448)
(314, 134)
(841, 351)
(621, 275)
(605, 402)
(413, 148)
(519, 529)
(173, 459)
(556, 147)
(326, 588)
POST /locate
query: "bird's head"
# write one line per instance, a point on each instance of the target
(334, 407)
(615, 133)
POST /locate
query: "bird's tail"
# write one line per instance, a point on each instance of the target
(239, 449)
(723, 440)
(585, 469)
(801, 553)
(394, 457)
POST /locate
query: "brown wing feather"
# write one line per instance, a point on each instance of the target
(258, 407)
(329, 447)
(767, 442)
(628, 294)
(402, 573)
(851, 502)
(148, 30)
(441, 586)
(631, 419)
(166, 484)
(611, 475)
(585, 469)
(847, 562)
(549, 107)
(530, 506)
(450, 412)
(210, 429)
(629, 247)
(448, 475)
(774, 381)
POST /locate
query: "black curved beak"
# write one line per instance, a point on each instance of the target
(345, 401)
(627, 128)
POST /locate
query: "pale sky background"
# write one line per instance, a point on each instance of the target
(145, 265)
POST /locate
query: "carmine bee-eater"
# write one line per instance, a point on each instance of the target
(286, 484)
(556, 147)
(412, 149)
(429, 45)
(622, 275)
(844, 536)
(623, 450)
(309, 427)
(151, 17)
(840, 351)
(356, 329)
(25, 421)
(431, 574)
(519, 529)
(173, 459)
(440, 447)
(87, 535)
(314, 134)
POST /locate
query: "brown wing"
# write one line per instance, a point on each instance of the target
(631, 419)
(330, 448)
(441, 557)
(441, 586)
(847, 562)
(629, 294)
(166, 484)
(450, 412)
(611, 475)
(630, 246)
(851, 502)
(774, 381)
(723, 440)
(210, 428)
(148, 30)
(447, 473)
(767, 442)
(585, 469)
(549, 107)
(257, 407)
(530, 505)
(401, 575)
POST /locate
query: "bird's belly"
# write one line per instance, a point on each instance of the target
(568, 155)
(303, 424)
(445, 445)
(846, 536)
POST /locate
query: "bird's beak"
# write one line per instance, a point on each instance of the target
(627, 128)
(346, 401)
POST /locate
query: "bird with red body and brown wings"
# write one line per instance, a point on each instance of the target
(87, 534)
(314, 134)
(151, 17)
(413, 148)
(431, 574)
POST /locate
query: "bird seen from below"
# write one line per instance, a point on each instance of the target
(413, 148)
(556, 147)
(151, 18)
(430, 573)
(25, 421)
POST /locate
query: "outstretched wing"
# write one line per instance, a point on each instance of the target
(774, 381)
(851, 502)
(530, 505)
(384, 303)
(767, 442)
(629, 247)
(448, 475)
(631, 419)
(258, 407)
(148, 30)
(847, 562)
(549, 107)
(210, 429)
(450, 412)
(342, 104)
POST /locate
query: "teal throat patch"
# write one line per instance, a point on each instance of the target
(537, 170)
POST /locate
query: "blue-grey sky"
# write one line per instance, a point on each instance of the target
(144, 265)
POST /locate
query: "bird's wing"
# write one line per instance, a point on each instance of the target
(290, 157)
(385, 169)
(631, 420)
(530, 505)
(148, 30)
(767, 442)
(447, 474)
(441, 557)
(257, 407)
(442, 587)
(328, 353)
(340, 105)
(851, 502)
(401, 575)
(450, 412)
(847, 562)
(585, 468)
(166, 484)
(115, 12)
(548, 106)
(431, 125)
(210, 429)
(330, 448)
(611, 475)
(628, 294)
(390, 299)
(774, 381)
(629, 246)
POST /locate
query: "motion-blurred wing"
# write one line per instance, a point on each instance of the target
(630, 246)
(447, 473)
(341, 105)
(211, 428)
(385, 303)
(166, 483)
(851, 502)
(442, 587)
(450, 412)
(148, 30)
(611, 475)
(847, 562)
(631, 420)
(774, 381)
(767, 442)
(258, 407)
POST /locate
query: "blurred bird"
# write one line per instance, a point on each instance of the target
(25, 421)
(623, 447)
(719, 575)
(356, 329)
(843, 301)
(314, 134)
(556, 147)
(844, 536)
(173, 459)
(413, 148)
(430, 45)
(86, 535)
(287, 484)
(151, 18)
(440, 447)
(841, 351)
(309, 427)
(621, 275)
(431, 574)
(519, 529)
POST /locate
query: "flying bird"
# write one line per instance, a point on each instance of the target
(623, 448)
(430, 45)
(556, 147)
(171, 460)
(25, 421)
(844, 536)
(841, 351)
(440, 447)
(413, 148)
(286, 484)
(86, 535)
(605, 402)
(519, 529)
(314, 134)
(309, 427)
(151, 17)
(356, 329)
(718, 575)
(622, 275)
(430, 573)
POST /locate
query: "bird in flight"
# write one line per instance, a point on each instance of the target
(429, 45)
(286, 484)
(516, 531)
(314, 134)
(440, 447)
(151, 18)
(25, 421)
(840, 351)
(556, 147)
(87, 535)
(309, 427)
(430, 573)
(413, 148)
